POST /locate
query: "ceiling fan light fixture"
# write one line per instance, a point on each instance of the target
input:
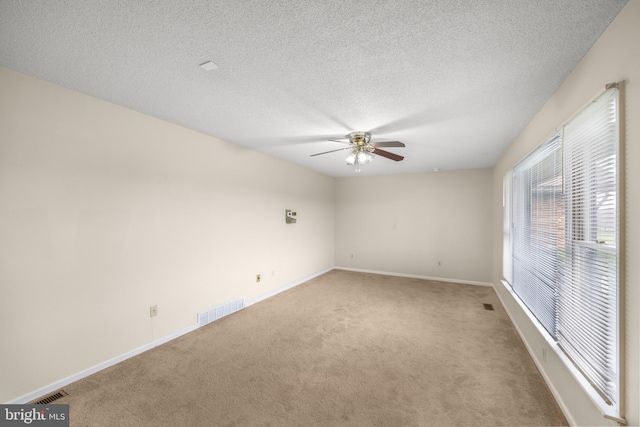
(358, 157)
(363, 158)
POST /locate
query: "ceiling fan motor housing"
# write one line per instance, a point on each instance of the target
(359, 138)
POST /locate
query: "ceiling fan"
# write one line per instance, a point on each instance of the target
(362, 149)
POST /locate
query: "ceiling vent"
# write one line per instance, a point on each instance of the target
(209, 66)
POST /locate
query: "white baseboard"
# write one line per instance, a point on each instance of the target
(563, 407)
(286, 287)
(96, 368)
(415, 276)
(107, 363)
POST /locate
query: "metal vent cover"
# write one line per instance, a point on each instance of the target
(51, 398)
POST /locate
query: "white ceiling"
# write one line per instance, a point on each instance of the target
(455, 80)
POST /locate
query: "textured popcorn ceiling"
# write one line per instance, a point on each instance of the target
(455, 80)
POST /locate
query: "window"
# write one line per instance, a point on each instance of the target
(538, 213)
(561, 241)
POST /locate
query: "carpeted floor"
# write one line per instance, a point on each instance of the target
(344, 349)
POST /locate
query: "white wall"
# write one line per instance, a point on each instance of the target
(406, 224)
(614, 57)
(105, 212)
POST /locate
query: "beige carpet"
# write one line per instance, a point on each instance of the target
(344, 349)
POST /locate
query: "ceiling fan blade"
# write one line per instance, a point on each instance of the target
(388, 144)
(387, 154)
(325, 152)
(337, 140)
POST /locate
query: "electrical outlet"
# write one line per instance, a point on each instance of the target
(153, 311)
(257, 278)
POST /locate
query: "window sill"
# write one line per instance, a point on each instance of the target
(609, 412)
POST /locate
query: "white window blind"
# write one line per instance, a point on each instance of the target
(561, 232)
(507, 232)
(587, 320)
(538, 211)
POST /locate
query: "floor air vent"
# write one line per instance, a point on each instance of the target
(220, 311)
(50, 398)
(488, 307)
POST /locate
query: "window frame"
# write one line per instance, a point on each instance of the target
(611, 411)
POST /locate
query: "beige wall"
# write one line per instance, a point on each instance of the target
(406, 224)
(614, 57)
(105, 212)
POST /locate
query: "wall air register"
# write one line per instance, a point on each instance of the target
(50, 398)
(220, 311)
